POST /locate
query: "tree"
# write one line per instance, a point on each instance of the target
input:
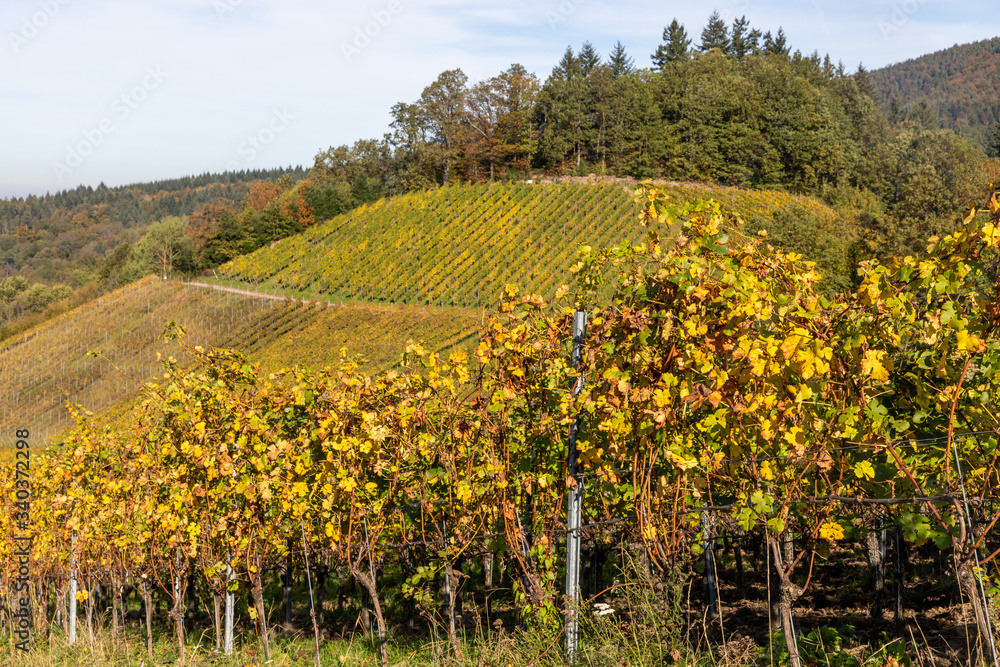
(742, 41)
(924, 116)
(676, 46)
(620, 62)
(865, 83)
(895, 114)
(364, 189)
(560, 113)
(715, 35)
(484, 105)
(499, 119)
(994, 147)
(113, 265)
(164, 247)
(515, 128)
(776, 45)
(442, 105)
(410, 138)
(828, 69)
(589, 58)
(329, 197)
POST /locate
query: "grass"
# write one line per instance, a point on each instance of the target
(643, 630)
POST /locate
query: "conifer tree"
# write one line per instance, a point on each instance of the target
(740, 38)
(560, 113)
(620, 62)
(589, 58)
(865, 83)
(924, 116)
(895, 113)
(993, 150)
(715, 35)
(777, 45)
(676, 46)
(828, 69)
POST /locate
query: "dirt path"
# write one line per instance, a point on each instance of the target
(258, 295)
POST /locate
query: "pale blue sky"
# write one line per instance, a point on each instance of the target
(124, 91)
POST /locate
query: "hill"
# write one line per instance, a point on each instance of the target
(64, 249)
(959, 84)
(460, 245)
(410, 267)
(47, 367)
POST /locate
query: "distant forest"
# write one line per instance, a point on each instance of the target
(958, 86)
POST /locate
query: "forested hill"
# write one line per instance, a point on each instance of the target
(55, 237)
(57, 250)
(959, 86)
(133, 204)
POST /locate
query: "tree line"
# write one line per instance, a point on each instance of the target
(61, 249)
(738, 108)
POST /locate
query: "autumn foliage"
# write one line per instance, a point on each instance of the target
(717, 375)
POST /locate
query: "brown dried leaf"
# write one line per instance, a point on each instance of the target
(824, 461)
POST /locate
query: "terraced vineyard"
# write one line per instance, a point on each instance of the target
(429, 250)
(44, 369)
(461, 245)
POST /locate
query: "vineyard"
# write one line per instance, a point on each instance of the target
(49, 367)
(683, 475)
(461, 245)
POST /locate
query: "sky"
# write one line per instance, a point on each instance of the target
(120, 91)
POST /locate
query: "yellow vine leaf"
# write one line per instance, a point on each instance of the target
(864, 470)
(871, 365)
(831, 530)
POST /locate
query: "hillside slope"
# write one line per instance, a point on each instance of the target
(49, 366)
(376, 278)
(460, 245)
(959, 83)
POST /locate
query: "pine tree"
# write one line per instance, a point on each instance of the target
(676, 46)
(828, 69)
(589, 58)
(777, 45)
(895, 113)
(924, 116)
(560, 113)
(620, 62)
(715, 35)
(865, 83)
(740, 38)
